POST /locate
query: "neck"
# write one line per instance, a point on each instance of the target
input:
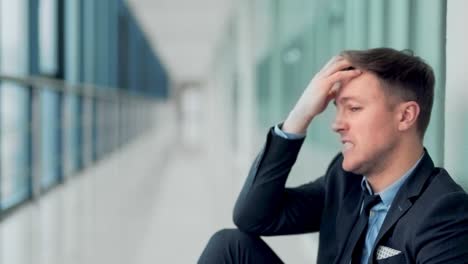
(395, 165)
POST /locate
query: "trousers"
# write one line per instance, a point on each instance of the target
(234, 246)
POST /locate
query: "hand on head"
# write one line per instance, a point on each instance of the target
(319, 92)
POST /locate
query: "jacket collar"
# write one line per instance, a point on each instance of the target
(417, 180)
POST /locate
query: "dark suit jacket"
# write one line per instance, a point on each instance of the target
(427, 222)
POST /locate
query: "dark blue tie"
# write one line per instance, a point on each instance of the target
(355, 245)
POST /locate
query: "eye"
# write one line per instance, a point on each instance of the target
(354, 108)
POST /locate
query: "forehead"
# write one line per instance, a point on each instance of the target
(365, 87)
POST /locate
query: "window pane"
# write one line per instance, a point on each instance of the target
(50, 132)
(14, 140)
(48, 36)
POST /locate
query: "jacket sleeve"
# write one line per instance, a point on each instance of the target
(265, 207)
(443, 235)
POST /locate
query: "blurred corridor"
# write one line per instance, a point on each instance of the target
(127, 128)
(155, 201)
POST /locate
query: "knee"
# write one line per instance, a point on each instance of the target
(226, 245)
(229, 237)
(226, 236)
(218, 247)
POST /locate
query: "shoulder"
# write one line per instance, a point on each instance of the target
(441, 234)
(449, 205)
(443, 186)
(445, 203)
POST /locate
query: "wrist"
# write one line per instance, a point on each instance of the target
(296, 123)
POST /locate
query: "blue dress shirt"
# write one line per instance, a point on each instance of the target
(377, 213)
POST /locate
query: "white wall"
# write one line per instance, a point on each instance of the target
(456, 104)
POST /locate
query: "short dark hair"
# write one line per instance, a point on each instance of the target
(402, 74)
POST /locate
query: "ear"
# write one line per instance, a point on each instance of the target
(408, 115)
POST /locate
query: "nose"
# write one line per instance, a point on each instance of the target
(339, 125)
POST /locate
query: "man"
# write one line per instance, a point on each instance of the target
(381, 199)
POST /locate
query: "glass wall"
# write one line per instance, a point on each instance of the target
(14, 114)
(47, 133)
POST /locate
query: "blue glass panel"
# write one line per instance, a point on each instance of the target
(72, 150)
(50, 132)
(48, 36)
(14, 145)
(14, 111)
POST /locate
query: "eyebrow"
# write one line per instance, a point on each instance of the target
(344, 99)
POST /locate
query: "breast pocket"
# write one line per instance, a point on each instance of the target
(397, 259)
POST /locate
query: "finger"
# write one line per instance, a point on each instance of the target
(333, 91)
(331, 96)
(332, 61)
(343, 76)
(339, 65)
(335, 87)
(340, 79)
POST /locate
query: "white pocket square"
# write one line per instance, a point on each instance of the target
(384, 252)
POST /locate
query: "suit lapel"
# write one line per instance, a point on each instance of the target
(347, 217)
(402, 202)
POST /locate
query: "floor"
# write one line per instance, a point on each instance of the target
(157, 200)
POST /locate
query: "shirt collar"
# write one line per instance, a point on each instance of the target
(390, 192)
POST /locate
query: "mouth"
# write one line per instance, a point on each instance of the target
(347, 146)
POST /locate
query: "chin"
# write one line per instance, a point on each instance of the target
(351, 166)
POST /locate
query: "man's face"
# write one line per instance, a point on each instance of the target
(367, 125)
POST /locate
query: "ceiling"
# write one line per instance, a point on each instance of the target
(183, 32)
